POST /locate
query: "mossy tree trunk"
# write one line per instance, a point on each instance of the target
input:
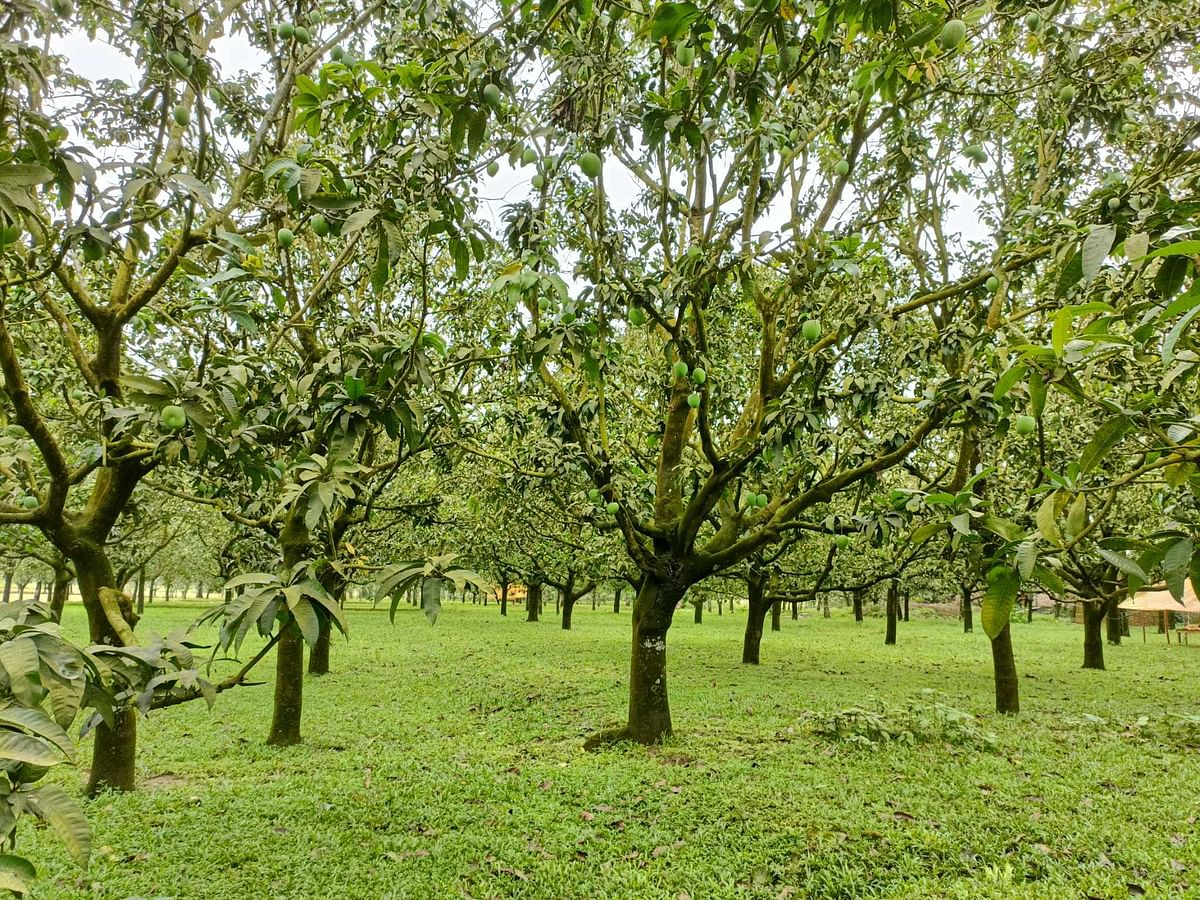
(777, 615)
(1004, 670)
(893, 611)
(756, 615)
(1093, 640)
(289, 652)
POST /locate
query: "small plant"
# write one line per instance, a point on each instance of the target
(921, 720)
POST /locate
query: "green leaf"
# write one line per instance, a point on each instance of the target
(1027, 557)
(20, 660)
(671, 20)
(1095, 248)
(357, 221)
(1049, 579)
(1002, 528)
(1106, 437)
(998, 600)
(1179, 248)
(23, 175)
(34, 722)
(924, 532)
(1060, 331)
(1047, 520)
(23, 748)
(431, 599)
(1077, 514)
(306, 617)
(18, 867)
(1171, 275)
(1008, 380)
(1123, 564)
(1176, 332)
(1136, 245)
(51, 803)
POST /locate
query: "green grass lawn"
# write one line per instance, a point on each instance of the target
(447, 762)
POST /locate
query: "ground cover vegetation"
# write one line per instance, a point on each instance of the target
(333, 313)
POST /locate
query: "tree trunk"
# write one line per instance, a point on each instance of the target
(289, 652)
(1093, 642)
(37, 590)
(504, 597)
(826, 612)
(776, 610)
(62, 589)
(318, 658)
(906, 599)
(755, 617)
(698, 616)
(568, 609)
(968, 614)
(8, 583)
(533, 601)
(1113, 621)
(289, 686)
(335, 587)
(893, 612)
(795, 611)
(1004, 669)
(114, 752)
(858, 606)
(649, 710)
(141, 590)
(617, 598)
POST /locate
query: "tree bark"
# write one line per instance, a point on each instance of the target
(289, 686)
(1004, 669)
(289, 652)
(755, 617)
(533, 601)
(906, 599)
(141, 590)
(504, 597)
(858, 606)
(1093, 642)
(649, 709)
(8, 583)
(568, 609)
(795, 611)
(318, 658)
(1113, 621)
(698, 615)
(114, 752)
(967, 610)
(62, 589)
(893, 610)
(617, 598)
(776, 611)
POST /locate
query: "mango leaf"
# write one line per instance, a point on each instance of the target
(1002, 528)
(1047, 520)
(1049, 579)
(26, 749)
(671, 20)
(20, 660)
(1179, 248)
(998, 600)
(431, 599)
(1095, 248)
(1027, 556)
(52, 804)
(1123, 564)
(1106, 437)
(1008, 380)
(1077, 514)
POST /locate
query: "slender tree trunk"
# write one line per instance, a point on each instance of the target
(826, 612)
(1093, 642)
(289, 686)
(289, 652)
(893, 611)
(698, 615)
(1113, 621)
(62, 589)
(858, 606)
(906, 599)
(8, 583)
(533, 601)
(776, 611)
(755, 617)
(504, 597)
(568, 610)
(335, 587)
(114, 751)
(617, 598)
(21, 595)
(37, 590)
(968, 615)
(1004, 669)
(141, 590)
(795, 611)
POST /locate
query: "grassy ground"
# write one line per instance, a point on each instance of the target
(447, 762)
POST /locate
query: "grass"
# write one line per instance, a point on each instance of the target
(447, 762)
